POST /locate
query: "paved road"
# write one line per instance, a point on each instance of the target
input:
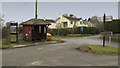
(62, 54)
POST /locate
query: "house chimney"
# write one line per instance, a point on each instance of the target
(61, 15)
(71, 15)
(66, 15)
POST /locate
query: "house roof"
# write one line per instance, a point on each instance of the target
(35, 22)
(72, 18)
(50, 21)
(88, 22)
(58, 18)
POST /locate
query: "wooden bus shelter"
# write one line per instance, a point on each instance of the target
(34, 29)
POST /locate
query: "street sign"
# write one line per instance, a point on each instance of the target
(81, 28)
(108, 34)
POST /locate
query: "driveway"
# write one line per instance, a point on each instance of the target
(62, 54)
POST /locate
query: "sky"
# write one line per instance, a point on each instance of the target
(23, 11)
(119, 9)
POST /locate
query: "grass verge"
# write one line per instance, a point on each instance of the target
(75, 35)
(22, 42)
(5, 46)
(57, 39)
(100, 50)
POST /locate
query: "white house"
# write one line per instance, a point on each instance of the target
(65, 21)
(52, 22)
(90, 24)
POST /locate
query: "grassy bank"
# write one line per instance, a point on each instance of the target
(100, 50)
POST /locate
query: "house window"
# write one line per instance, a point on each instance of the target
(75, 22)
(65, 24)
(71, 22)
(39, 29)
(80, 22)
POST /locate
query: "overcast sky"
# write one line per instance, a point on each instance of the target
(22, 11)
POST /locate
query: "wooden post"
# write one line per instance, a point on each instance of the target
(104, 30)
(8, 33)
(36, 10)
(17, 32)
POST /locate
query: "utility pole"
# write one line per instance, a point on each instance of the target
(104, 30)
(36, 10)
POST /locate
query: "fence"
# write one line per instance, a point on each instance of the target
(13, 38)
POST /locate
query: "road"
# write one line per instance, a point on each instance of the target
(61, 54)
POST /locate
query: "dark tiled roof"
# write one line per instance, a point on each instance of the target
(35, 22)
(72, 18)
(58, 18)
(50, 21)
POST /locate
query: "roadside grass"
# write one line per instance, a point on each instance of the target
(24, 43)
(4, 44)
(57, 39)
(114, 38)
(100, 50)
(74, 35)
(13, 38)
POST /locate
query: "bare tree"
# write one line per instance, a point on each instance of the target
(1, 20)
(1, 24)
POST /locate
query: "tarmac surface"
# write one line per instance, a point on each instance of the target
(61, 54)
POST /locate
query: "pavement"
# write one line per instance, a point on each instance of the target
(61, 54)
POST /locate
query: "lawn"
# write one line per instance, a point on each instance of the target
(100, 50)
(75, 35)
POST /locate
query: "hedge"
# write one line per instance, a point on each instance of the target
(113, 26)
(66, 31)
